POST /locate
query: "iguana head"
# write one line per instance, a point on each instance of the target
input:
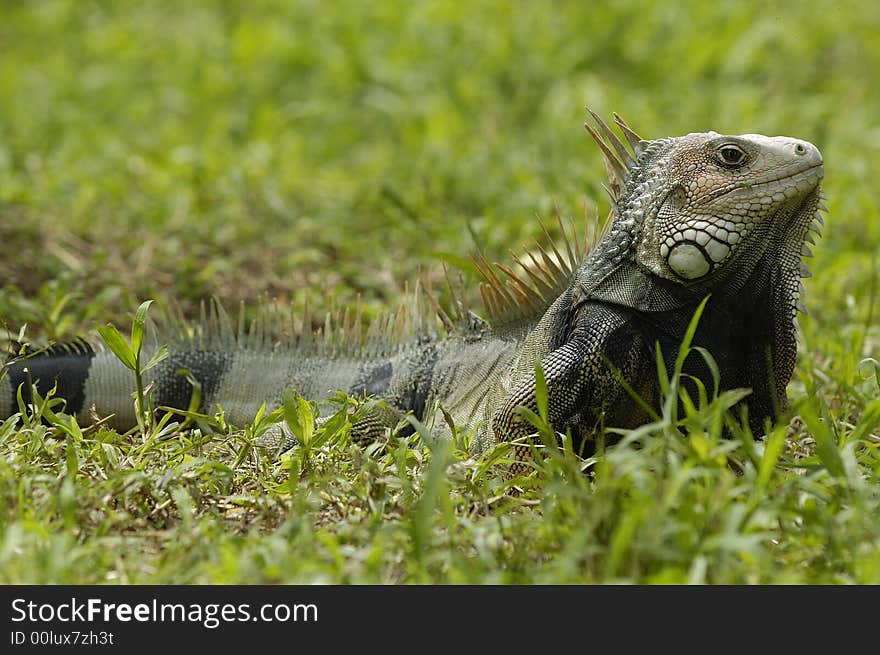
(718, 195)
(696, 208)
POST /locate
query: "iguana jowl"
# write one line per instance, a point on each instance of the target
(696, 215)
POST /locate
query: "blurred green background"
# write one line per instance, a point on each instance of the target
(181, 150)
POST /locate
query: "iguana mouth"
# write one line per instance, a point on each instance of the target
(816, 170)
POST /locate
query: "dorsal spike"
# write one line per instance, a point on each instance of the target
(306, 331)
(512, 296)
(454, 296)
(242, 321)
(373, 340)
(328, 330)
(617, 173)
(634, 140)
(358, 321)
(612, 139)
(502, 293)
(555, 271)
(612, 197)
(595, 227)
(591, 230)
(400, 329)
(419, 327)
(491, 279)
(577, 244)
(539, 280)
(542, 271)
(532, 296)
(295, 333)
(343, 326)
(224, 324)
(560, 262)
(444, 318)
(570, 249)
(203, 324)
(486, 297)
(388, 329)
(254, 338)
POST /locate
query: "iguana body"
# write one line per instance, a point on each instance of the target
(697, 215)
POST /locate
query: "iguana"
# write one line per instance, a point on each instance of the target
(693, 216)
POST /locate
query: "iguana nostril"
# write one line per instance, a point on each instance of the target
(800, 149)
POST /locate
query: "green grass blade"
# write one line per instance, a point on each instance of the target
(118, 346)
(138, 326)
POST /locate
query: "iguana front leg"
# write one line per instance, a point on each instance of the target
(583, 380)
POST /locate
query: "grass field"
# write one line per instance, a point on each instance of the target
(336, 149)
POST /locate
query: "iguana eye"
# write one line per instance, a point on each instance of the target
(731, 155)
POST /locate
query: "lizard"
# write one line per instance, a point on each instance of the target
(704, 216)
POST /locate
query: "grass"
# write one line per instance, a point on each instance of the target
(334, 150)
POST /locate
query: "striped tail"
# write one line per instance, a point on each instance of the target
(91, 381)
(96, 385)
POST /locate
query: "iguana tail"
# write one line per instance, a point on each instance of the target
(213, 365)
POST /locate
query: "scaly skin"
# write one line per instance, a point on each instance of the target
(694, 215)
(700, 214)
